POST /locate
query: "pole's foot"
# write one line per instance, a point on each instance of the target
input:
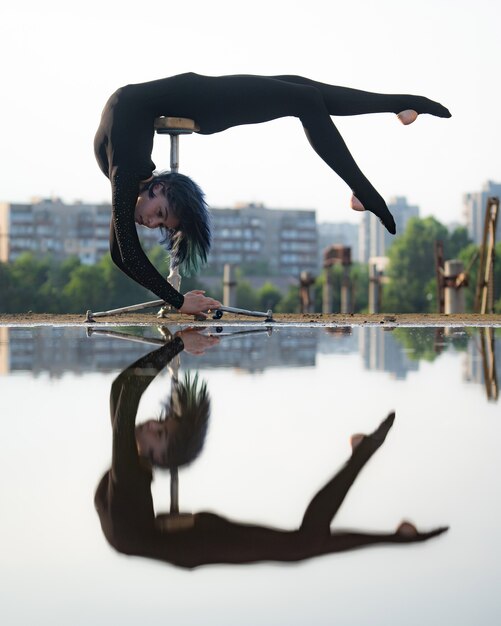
(164, 312)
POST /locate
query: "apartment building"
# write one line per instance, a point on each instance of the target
(373, 238)
(474, 205)
(285, 239)
(49, 226)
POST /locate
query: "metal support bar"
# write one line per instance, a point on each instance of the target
(218, 313)
(125, 309)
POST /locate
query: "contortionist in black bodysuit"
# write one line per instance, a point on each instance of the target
(124, 142)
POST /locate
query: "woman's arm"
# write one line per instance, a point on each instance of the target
(125, 247)
(126, 392)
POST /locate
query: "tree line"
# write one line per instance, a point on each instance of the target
(46, 286)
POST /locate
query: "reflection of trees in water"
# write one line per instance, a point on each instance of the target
(427, 343)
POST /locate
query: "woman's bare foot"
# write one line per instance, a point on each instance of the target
(408, 116)
(355, 204)
(378, 436)
(407, 529)
(408, 533)
(380, 210)
(355, 440)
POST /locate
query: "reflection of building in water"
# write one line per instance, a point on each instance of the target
(339, 340)
(256, 352)
(473, 366)
(381, 351)
(60, 350)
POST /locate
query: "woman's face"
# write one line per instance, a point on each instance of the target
(154, 212)
(152, 438)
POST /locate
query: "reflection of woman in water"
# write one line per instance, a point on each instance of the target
(125, 506)
(173, 202)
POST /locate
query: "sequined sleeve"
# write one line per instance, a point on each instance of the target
(125, 247)
(126, 392)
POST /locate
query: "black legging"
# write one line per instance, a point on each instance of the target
(218, 103)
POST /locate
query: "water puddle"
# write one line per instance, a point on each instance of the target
(209, 475)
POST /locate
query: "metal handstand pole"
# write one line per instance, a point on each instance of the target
(175, 126)
(172, 126)
(216, 313)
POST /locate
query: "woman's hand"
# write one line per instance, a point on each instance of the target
(195, 303)
(195, 342)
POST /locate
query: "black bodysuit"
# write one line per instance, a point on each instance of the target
(124, 140)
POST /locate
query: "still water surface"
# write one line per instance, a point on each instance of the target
(283, 405)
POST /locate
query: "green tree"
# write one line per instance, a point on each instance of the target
(6, 288)
(28, 274)
(246, 296)
(289, 302)
(268, 297)
(412, 266)
(86, 289)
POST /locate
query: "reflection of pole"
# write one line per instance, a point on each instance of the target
(174, 490)
(488, 347)
(229, 286)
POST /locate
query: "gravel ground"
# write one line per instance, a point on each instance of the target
(384, 319)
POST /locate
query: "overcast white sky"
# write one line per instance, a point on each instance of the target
(61, 60)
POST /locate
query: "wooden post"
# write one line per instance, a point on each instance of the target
(346, 292)
(439, 273)
(374, 289)
(327, 292)
(229, 286)
(484, 294)
(453, 293)
(306, 301)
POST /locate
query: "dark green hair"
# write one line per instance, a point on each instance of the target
(189, 405)
(189, 243)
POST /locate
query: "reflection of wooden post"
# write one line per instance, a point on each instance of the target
(229, 286)
(484, 294)
(453, 293)
(488, 347)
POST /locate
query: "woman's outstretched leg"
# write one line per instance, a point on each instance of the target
(405, 533)
(324, 506)
(344, 101)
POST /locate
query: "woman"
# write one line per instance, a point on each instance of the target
(124, 142)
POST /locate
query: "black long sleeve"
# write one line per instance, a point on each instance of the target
(125, 247)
